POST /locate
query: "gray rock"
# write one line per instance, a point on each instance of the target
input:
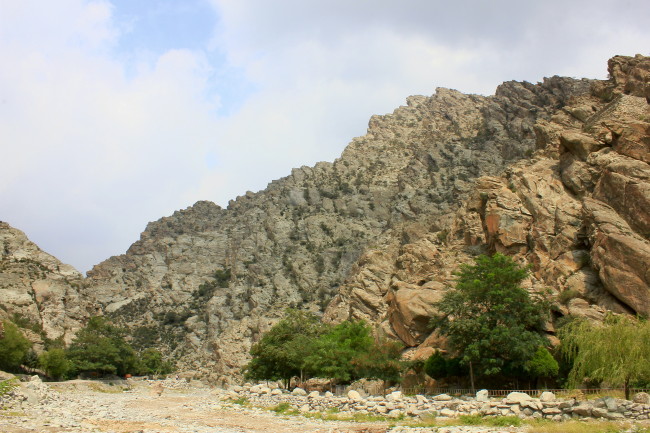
(483, 395)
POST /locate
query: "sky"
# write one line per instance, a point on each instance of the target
(114, 113)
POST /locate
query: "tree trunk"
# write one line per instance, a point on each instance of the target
(471, 377)
(626, 386)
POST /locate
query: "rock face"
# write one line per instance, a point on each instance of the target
(206, 282)
(38, 291)
(554, 174)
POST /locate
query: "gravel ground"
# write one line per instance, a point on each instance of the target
(91, 407)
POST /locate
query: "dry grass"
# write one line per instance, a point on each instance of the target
(544, 426)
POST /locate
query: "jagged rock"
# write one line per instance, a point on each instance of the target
(554, 174)
(619, 255)
(39, 288)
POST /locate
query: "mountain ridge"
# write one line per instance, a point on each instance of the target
(377, 233)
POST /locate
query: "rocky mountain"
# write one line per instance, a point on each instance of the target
(555, 174)
(38, 292)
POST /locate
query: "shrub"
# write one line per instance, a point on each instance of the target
(55, 363)
(13, 347)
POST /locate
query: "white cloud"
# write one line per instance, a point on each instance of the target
(100, 140)
(91, 150)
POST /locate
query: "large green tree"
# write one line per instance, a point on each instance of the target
(616, 351)
(382, 360)
(282, 352)
(99, 348)
(491, 322)
(13, 347)
(335, 353)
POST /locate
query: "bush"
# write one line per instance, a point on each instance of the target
(100, 349)
(55, 363)
(151, 362)
(13, 348)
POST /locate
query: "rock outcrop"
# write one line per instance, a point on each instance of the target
(37, 291)
(554, 174)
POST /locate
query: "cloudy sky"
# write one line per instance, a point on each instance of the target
(114, 113)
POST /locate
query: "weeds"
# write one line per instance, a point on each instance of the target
(242, 401)
(281, 407)
(6, 386)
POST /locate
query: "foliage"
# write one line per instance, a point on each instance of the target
(438, 366)
(282, 352)
(151, 362)
(99, 348)
(336, 353)
(55, 363)
(542, 364)
(382, 361)
(300, 345)
(616, 351)
(489, 319)
(13, 347)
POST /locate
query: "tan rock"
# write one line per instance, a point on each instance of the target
(620, 256)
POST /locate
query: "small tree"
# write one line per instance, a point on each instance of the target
(151, 362)
(542, 365)
(491, 322)
(100, 348)
(381, 361)
(13, 347)
(55, 363)
(616, 351)
(335, 353)
(281, 353)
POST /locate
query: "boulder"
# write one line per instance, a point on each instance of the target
(354, 395)
(483, 395)
(298, 391)
(641, 397)
(394, 396)
(517, 397)
(547, 396)
(583, 409)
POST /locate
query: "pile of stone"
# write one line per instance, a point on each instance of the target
(396, 405)
(23, 394)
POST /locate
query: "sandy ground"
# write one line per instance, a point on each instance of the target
(83, 408)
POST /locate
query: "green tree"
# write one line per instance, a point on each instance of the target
(491, 322)
(13, 347)
(439, 366)
(151, 362)
(335, 353)
(55, 363)
(381, 361)
(100, 348)
(541, 365)
(616, 351)
(281, 353)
